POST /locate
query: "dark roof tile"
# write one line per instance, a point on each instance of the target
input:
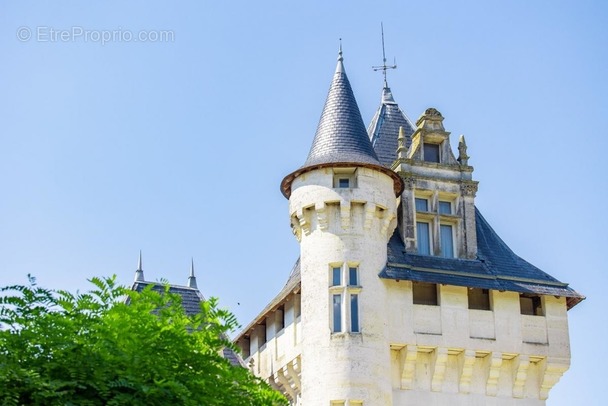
(496, 267)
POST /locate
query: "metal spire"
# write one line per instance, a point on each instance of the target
(139, 273)
(192, 278)
(384, 67)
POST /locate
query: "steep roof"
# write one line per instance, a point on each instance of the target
(292, 285)
(191, 297)
(383, 130)
(341, 138)
(191, 302)
(496, 267)
(341, 135)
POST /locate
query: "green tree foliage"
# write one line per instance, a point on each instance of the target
(97, 348)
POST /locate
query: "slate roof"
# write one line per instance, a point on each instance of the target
(496, 267)
(341, 138)
(383, 130)
(341, 135)
(191, 300)
(292, 284)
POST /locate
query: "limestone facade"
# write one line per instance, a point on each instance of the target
(347, 329)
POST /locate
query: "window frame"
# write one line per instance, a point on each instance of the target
(344, 174)
(349, 318)
(443, 253)
(436, 217)
(426, 145)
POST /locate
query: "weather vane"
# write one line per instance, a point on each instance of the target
(384, 67)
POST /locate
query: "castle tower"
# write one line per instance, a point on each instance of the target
(343, 210)
(403, 294)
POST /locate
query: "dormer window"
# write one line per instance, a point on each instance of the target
(436, 224)
(431, 152)
(345, 178)
(343, 183)
(445, 207)
(422, 204)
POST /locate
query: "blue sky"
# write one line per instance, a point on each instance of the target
(177, 146)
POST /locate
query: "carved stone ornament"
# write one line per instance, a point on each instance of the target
(409, 182)
(468, 189)
(432, 112)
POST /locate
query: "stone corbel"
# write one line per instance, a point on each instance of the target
(295, 377)
(321, 210)
(494, 374)
(386, 222)
(305, 225)
(553, 371)
(467, 371)
(441, 362)
(522, 363)
(409, 367)
(280, 377)
(296, 229)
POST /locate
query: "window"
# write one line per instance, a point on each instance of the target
(343, 183)
(353, 279)
(336, 276)
(447, 241)
(479, 299)
(431, 152)
(436, 226)
(531, 304)
(280, 318)
(424, 238)
(345, 178)
(422, 204)
(425, 293)
(344, 292)
(337, 311)
(445, 207)
(354, 313)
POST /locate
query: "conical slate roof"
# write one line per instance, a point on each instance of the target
(341, 138)
(341, 134)
(384, 129)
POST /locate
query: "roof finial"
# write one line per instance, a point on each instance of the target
(384, 67)
(401, 143)
(463, 158)
(340, 66)
(192, 278)
(139, 273)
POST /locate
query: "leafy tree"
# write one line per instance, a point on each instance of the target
(58, 348)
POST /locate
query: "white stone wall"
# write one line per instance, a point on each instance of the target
(344, 226)
(451, 354)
